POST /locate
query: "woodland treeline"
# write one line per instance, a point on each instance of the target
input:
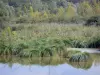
(33, 11)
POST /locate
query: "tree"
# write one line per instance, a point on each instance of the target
(52, 5)
(96, 8)
(62, 3)
(85, 9)
(4, 14)
(45, 15)
(31, 11)
(37, 5)
(70, 11)
(60, 14)
(10, 11)
(37, 16)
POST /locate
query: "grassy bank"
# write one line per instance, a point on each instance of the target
(43, 39)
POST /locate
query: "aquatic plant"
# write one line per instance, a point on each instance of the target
(72, 52)
(78, 44)
(19, 47)
(49, 46)
(6, 41)
(79, 57)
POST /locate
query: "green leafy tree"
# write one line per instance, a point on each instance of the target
(4, 14)
(96, 8)
(31, 11)
(60, 14)
(70, 11)
(37, 5)
(85, 9)
(52, 5)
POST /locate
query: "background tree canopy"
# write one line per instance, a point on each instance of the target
(30, 11)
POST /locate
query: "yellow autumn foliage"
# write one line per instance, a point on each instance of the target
(31, 11)
(70, 11)
(60, 14)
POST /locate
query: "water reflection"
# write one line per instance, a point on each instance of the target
(48, 66)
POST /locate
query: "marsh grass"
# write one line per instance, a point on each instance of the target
(43, 39)
(79, 57)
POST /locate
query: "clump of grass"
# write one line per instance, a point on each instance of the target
(75, 43)
(40, 47)
(94, 42)
(79, 57)
(18, 48)
(48, 46)
(71, 53)
(6, 41)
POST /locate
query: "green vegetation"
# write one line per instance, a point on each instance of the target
(47, 39)
(41, 28)
(79, 57)
(51, 61)
(95, 20)
(36, 11)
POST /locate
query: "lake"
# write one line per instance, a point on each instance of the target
(48, 66)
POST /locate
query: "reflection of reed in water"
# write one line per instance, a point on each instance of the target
(36, 60)
(51, 61)
(82, 65)
(96, 60)
(96, 63)
(81, 60)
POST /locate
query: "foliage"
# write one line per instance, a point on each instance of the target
(85, 9)
(60, 14)
(31, 11)
(47, 39)
(79, 57)
(70, 11)
(96, 8)
(48, 11)
(94, 20)
(6, 41)
(94, 42)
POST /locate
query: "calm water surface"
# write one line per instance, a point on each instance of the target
(49, 66)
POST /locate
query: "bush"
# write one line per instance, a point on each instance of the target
(6, 41)
(79, 57)
(23, 19)
(95, 20)
(94, 42)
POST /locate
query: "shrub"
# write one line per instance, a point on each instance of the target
(95, 20)
(23, 19)
(6, 41)
(70, 11)
(79, 57)
(85, 9)
(94, 42)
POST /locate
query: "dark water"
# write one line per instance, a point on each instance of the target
(49, 66)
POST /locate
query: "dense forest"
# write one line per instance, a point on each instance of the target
(32, 11)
